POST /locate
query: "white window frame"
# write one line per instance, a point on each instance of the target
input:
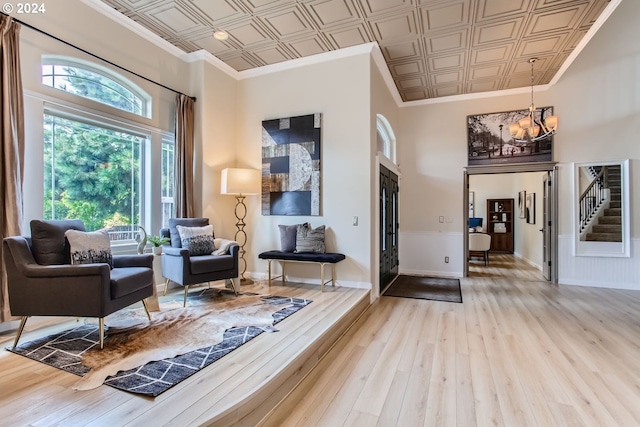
(43, 99)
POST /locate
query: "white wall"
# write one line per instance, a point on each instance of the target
(340, 90)
(598, 102)
(381, 103)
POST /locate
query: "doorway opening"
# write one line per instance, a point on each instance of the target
(516, 206)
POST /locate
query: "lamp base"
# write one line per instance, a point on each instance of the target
(245, 281)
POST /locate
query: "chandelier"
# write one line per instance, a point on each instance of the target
(528, 129)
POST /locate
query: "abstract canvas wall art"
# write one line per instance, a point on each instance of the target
(291, 174)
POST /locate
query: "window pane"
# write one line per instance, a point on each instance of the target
(167, 181)
(92, 173)
(94, 86)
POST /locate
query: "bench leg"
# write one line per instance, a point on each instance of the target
(322, 277)
(269, 274)
(333, 275)
(282, 264)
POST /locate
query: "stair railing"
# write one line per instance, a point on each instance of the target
(592, 197)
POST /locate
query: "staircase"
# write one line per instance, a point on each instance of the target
(607, 225)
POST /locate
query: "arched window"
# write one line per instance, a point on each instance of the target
(95, 83)
(386, 138)
(96, 165)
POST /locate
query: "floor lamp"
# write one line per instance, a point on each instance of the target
(240, 183)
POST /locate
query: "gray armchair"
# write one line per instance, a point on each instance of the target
(184, 269)
(42, 283)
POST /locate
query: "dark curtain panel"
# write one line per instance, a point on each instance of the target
(184, 156)
(12, 142)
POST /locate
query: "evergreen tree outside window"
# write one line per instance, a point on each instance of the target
(92, 173)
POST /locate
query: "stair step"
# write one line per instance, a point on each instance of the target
(607, 228)
(613, 212)
(610, 220)
(615, 204)
(604, 237)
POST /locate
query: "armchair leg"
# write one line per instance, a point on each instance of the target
(146, 308)
(101, 331)
(186, 291)
(166, 286)
(235, 284)
(23, 321)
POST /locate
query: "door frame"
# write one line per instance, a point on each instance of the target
(551, 168)
(381, 159)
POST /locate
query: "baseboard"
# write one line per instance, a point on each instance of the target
(528, 261)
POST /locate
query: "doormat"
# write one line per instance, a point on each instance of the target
(422, 287)
(65, 350)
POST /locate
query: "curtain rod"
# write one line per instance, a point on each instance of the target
(95, 56)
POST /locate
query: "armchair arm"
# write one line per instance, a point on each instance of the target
(67, 270)
(144, 260)
(171, 251)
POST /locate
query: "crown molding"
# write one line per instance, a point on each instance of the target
(606, 13)
(308, 60)
(378, 59)
(206, 56)
(479, 95)
(133, 26)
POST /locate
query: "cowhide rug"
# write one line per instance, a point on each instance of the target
(134, 341)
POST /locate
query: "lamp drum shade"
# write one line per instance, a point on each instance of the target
(240, 181)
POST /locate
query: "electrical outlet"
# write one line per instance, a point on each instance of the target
(441, 218)
(446, 260)
(449, 219)
(355, 221)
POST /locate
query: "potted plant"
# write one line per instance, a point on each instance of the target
(157, 243)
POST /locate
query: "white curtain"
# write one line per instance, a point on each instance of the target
(12, 144)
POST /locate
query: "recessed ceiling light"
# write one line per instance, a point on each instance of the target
(220, 35)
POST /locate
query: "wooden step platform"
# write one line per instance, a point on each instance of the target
(239, 389)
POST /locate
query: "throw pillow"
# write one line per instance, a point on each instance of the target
(198, 240)
(89, 247)
(310, 239)
(49, 245)
(185, 222)
(288, 237)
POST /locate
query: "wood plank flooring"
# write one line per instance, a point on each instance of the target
(519, 351)
(240, 388)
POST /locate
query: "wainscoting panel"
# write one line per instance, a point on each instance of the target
(601, 272)
(424, 253)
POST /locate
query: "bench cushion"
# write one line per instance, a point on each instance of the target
(289, 256)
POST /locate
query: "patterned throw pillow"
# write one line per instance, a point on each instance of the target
(198, 240)
(310, 239)
(89, 247)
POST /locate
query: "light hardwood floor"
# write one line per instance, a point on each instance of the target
(519, 351)
(240, 388)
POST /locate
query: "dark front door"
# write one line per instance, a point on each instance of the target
(388, 226)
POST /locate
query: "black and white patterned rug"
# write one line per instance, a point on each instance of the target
(64, 351)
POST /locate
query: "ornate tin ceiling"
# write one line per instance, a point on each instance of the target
(433, 48)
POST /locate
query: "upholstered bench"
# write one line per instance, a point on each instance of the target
(322, 259)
